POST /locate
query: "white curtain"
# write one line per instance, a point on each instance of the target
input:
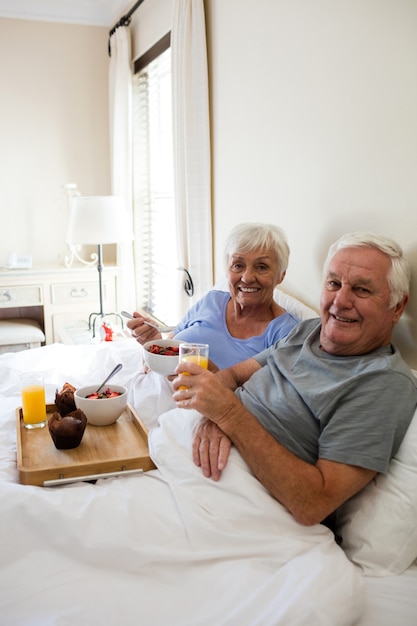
(120, 104)
(191, 133)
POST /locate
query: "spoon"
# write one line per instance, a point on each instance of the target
(112, 373)
(160, 328)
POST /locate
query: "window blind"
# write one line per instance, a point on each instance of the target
(155, 249)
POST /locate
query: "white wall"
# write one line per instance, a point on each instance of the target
(150, 22)
(53, 129)
(314, 127)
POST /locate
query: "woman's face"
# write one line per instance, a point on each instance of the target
(252, 277)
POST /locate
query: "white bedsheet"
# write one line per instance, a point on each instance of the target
(166, 548)
(391, 600)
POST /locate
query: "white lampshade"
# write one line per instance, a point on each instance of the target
(98, 220)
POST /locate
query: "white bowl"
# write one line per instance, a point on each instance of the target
(104, 411)
(161, 363)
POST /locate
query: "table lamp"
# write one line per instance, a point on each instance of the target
(98, 220)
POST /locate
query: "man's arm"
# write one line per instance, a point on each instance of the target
(309, 492)
(235, 376)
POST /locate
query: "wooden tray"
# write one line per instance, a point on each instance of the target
(120, 448)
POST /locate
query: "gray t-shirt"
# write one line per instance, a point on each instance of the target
(349, 409)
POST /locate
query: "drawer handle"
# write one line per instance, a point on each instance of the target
(79, 293)
(5, 296)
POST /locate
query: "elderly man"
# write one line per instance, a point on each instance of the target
(319, 414)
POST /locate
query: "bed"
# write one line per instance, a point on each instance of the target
(170, 547)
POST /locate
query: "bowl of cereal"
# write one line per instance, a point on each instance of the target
(103, 408)
(162, 355)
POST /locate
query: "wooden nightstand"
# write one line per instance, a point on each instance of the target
(54, 296)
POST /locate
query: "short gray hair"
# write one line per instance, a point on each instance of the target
(252, 236)
(399, 274)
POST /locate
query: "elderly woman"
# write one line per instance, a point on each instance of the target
(245, 320)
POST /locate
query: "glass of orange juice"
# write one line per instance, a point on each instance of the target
(33, 400)
(195, 353)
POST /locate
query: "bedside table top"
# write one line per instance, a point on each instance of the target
(77, 332)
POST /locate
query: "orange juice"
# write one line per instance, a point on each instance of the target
(33, 405)
(200, 359)
(194, 353)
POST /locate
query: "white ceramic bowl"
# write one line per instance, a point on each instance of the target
(161, 363)
(104, 411)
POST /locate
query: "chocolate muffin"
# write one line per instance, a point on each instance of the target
(67, 430)
(64, 399)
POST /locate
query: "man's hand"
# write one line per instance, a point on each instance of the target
(211, 449)
(202, 390)
(212, 394)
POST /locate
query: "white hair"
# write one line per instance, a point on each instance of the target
(399, 274)
(252, 236)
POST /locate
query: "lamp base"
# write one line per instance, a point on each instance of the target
(92, 319)
(74, 254)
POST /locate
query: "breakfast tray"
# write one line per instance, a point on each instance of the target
(115, 450)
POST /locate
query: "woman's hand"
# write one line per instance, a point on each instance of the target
(211, 449)
(141, 331)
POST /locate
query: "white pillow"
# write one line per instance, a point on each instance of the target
(294, 306)
(290, 304)
(378, 526)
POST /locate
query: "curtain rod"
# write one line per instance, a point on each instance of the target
(124, 21)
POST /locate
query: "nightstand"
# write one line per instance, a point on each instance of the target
(56, 296)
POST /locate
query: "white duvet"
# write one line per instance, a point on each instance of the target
(168, 548)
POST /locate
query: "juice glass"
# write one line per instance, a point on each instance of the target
(195, 353)
(33, 400)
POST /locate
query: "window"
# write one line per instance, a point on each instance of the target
(155, 247)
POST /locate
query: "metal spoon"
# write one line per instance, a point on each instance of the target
(112, 373)
(161, 328)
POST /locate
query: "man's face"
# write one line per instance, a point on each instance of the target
(354, 302)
